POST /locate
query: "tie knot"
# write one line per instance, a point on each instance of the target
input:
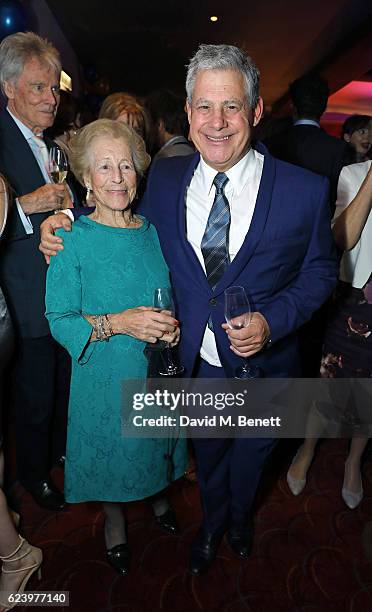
(220, 181)
(39, 141)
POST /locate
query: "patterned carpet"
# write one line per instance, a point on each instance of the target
(307, 553)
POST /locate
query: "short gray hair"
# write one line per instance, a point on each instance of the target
(224, 57)
(82, 142)
(17, 49)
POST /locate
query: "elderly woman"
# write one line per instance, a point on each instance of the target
(99, 296)
(19, 559)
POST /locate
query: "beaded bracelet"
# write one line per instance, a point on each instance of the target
(111, 332)
(99, 327)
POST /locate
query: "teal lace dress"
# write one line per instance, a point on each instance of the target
(104, 269)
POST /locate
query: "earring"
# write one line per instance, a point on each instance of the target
(88, 193)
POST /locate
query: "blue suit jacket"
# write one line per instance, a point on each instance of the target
(287, 262)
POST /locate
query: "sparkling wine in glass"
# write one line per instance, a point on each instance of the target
(58, 165)
(163, 300)
(238, 315)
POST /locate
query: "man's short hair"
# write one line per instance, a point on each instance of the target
(165, 105)
(17, 49)
(224, 57)
(309, 96)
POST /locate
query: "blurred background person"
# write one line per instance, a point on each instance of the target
(124, 107)
(356, 131)
(19, 559)
(169, 120)
(305, 143)
(347, 351)
(99, 294)
(67, 121)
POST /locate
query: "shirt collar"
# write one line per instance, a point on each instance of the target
(238, 175)
(307, 122)
(27, 133)
(173, 140)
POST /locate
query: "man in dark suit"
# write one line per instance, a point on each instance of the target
(29, 73)
(233, 215)
(305, 143)
(169, 120)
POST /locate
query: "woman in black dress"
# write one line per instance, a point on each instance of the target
(19, 559)
(347, 351)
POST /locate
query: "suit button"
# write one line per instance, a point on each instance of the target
(213, 301)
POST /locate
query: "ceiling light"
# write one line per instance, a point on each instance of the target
(65, 82)
(213, 18)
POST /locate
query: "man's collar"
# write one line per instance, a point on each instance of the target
(174, 139)
(27, 133)
(238, 175)
(307, 122)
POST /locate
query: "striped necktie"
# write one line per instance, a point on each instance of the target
(215, 242)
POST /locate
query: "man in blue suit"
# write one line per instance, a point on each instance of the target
(233, 215)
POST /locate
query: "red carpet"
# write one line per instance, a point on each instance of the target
(307, 551)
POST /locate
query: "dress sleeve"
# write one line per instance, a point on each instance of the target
(63, 302)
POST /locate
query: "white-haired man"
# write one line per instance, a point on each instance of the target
(30, 70)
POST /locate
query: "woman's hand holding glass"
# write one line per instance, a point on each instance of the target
(147, 323)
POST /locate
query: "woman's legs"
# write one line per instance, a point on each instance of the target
(114, 525)
(160, 504)
(27, 556)
(302, 460)
(117, 550)
(352, 489)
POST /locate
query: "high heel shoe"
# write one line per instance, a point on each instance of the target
(168, 522)
(296, 485)
(351, 498)
(32, 565)
(119, 557)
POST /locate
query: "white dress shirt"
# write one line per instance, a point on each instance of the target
(307, 122)
(241, 192)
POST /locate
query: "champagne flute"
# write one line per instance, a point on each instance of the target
(238, 315)
(163, 300)
(58, 165)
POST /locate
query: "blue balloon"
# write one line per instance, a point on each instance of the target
(12, 18)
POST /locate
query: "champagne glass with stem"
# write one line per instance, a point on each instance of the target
(163, 300)
(58, 165)
(238, 315)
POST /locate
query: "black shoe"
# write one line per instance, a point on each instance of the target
(240, 541)
(47, 495)
(119, 558)
(203, 553)
(168, 522)
(61, 461)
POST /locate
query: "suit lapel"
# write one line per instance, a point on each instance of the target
(31, 173)
(181, 224)
(257, 225)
